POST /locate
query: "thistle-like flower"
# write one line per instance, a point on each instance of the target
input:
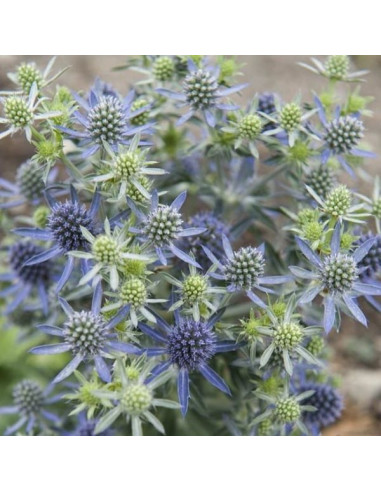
(243, 270)
(338, 205)
(335, 68)
(246, 128)
(28, 74)
(194, 292)
(106, 120)
(83, 395)
(188, 346)
(321, 180)
(289, 122)
(287, 335)
(163, 226)
(88, 336)
(65, 229)
(29, 402)
(107, 252)
(143, 117)
(285, 411)
(163, 68)
(133, 296)
(20, 113)
(336, 278)
(126, 168)
(201, 93)
(343, 134)
(340, 137)
(134, 399)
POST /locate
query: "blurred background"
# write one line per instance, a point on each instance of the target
(356, 351)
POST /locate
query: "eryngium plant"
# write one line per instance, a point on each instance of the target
(150, 268)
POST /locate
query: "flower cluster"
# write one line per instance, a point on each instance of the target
(145, 251)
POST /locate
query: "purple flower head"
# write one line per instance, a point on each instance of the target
(336, 278)
(201, 93)
(65, 222)
(191, 343)
(243, 270)
(29, 402)
(105, 121)
(163, 226)
(24, 277)
(328, 403)
(341, 137)
(64, 230)
(88, 336)
(188, 346)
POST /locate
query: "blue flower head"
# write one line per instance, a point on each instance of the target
(336, 278)
(341, 137)
(105, 120)
(188, 345)
(64, 231)
(202, 93)
(243, 270)
(163, 226)
(88, 336)
(29, 404)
